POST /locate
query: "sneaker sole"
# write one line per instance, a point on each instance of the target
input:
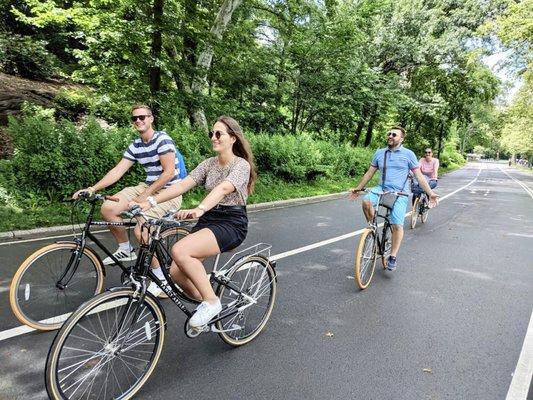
(114, 263)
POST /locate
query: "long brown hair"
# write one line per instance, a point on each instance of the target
(241, 147)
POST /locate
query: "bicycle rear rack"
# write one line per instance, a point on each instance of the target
(259, 249)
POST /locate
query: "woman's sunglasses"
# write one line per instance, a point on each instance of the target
(216, 134)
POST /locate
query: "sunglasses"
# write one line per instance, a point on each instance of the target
(428, 152)
(216, 134)
(141, 117)
(393, 134)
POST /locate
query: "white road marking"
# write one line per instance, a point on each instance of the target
(519, 234)
(524, 186)
(25, 329)
(524, 368)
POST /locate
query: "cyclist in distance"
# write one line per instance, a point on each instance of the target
(229, 178)
(429, 166)
(164, 166)
(394, 163)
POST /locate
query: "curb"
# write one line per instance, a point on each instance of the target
(18, 234)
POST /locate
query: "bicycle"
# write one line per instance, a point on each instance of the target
(420, 206)
(109, 347)
(56, 279)
(373, 243)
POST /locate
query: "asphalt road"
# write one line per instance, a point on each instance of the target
(450, 323)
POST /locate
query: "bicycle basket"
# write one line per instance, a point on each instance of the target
(387, 200)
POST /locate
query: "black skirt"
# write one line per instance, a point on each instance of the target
(229, 224)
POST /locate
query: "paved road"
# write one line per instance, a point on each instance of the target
(449, 324)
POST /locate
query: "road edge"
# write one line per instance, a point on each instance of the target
(20, 234)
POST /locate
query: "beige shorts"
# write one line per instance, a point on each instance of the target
(132, 192)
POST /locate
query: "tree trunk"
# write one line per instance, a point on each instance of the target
(360, 126)
(439, 146)
(157, 42)
(199, 82)
(370, 128)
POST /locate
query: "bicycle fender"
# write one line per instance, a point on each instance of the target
(90, 250)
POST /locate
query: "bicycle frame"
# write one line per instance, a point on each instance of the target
(73, 264)
(175, 292)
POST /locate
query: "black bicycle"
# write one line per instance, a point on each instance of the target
(108, 348)
(56, 279)
(373, 242)
(421, 206)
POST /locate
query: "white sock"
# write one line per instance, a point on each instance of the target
(125, 247)
(159, 273)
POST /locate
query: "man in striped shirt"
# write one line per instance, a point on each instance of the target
(164, 166)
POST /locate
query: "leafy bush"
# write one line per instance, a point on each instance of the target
(27, 57)
(56, 158)
(289, 157)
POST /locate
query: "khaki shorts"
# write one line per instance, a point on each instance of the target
(132, 192)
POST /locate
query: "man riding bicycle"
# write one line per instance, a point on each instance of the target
(394, 163)
(164, 166)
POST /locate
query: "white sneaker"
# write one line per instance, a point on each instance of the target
(205, 313)
(121, 255)
(156, 291)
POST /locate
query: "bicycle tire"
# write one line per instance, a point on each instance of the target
(414, 212)
(387, 244)
(44, 306)
(425, 214)
(133, 344)
(267, 291)
(365, 259)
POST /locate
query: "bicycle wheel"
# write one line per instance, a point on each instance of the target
(386, 245)
(257, 279)
(424, 210)
(34, 295)
(169, 237)
(365, 259)
(414, 212)
(107, 349)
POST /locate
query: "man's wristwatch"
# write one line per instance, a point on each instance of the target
(201, 207)
(152, 201)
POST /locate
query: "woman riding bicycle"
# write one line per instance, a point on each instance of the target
(429, 166)
(229, 178)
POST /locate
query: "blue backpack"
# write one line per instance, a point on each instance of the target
(181, 165)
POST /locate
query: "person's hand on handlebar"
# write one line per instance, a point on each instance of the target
(433, 199)
(355, 193)
(89, 190)
(190, 214)
(145, 206)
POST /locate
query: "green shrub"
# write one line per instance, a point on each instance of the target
(57, 158)
(289, 157)
(26, 56)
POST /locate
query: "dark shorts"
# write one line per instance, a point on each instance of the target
(229, 224)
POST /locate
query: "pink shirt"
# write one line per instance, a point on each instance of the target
(429, 168)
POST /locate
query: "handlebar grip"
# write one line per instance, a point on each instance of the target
(112, 198)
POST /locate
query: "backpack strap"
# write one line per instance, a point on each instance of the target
(384, 173)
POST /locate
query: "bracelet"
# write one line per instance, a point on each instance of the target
(152, 201)
(201, 207)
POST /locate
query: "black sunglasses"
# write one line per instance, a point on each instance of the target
(428, 152)
(217, 134)
(393, 134)
(141, 117)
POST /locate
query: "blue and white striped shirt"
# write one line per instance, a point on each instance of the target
(147, 154)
